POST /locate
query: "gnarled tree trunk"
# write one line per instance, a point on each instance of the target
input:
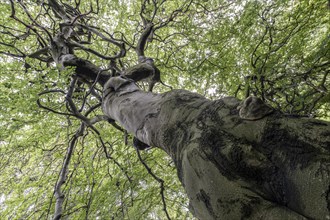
(276, 167)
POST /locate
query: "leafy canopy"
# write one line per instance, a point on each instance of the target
(277, 50)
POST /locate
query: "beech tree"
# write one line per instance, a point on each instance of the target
(133, 110)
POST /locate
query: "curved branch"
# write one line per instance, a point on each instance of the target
(37, 53)
(48, 108)
(143, 40)
(13, 15)
(159, 180)
(75, 44)
(121, 45)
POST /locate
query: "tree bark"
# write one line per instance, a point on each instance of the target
(276, 167)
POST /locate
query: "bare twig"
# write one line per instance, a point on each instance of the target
(159, 180)
(75, 44)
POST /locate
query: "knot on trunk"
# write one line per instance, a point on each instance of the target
(253, 108)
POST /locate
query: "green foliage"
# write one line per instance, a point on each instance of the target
(277, 50)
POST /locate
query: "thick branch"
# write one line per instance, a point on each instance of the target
(58, 10)
(143, 40)
(86, 69)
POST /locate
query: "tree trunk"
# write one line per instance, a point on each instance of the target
(276, 167)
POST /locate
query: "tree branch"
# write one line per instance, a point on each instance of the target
(143, 39)
(59, 196)
(159, 180)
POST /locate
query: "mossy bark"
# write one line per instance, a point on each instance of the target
(276, 167)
